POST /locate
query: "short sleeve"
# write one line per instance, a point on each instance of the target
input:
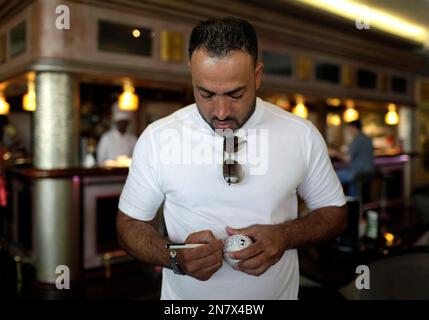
(142, 195)
(320, 186)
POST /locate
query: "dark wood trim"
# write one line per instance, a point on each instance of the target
(9, 8)
(33, 173)
(96, 72)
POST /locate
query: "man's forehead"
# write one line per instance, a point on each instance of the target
(202, 55)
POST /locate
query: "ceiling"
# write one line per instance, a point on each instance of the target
(412, 11)
(415, 12)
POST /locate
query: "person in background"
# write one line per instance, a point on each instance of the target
(359, 157)
(117, 141)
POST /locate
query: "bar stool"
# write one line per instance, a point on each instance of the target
(363, 182)
(372, 192)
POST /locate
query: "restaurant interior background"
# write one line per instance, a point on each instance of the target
(328, 61)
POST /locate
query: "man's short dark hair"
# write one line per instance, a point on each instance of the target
(356, 123)
(220, 36)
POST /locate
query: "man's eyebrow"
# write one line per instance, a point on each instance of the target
(235, 90)
(205, 90)
(226, 93)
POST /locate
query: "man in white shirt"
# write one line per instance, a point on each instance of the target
(117, 141)
(180, 161)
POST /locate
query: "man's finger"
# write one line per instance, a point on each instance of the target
(207, 265)
(249, 231)
(205, 236)
(249, 252)
(252, 263)
(208, 272)
(195, 265)
(203, 251)
(257, 271)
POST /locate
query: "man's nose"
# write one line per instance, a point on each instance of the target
(222, 108)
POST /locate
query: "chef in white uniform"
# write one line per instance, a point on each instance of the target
(116, 142)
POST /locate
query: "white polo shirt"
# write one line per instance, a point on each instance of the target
(178, 160)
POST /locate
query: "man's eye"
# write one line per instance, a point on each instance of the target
(207, 96)
(237, 97)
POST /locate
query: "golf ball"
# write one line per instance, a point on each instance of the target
(235, 243)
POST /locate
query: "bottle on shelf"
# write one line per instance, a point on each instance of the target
(371, 237)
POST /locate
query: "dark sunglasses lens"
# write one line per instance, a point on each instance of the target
(232, 172)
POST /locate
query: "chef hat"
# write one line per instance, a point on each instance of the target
(118, 114)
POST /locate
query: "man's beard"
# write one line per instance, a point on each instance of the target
(239, 125)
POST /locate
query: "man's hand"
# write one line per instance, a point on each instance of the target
(268, 247)
(201, 262)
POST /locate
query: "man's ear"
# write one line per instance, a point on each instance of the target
(258, 73)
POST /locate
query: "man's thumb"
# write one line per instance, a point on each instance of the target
(232, 231)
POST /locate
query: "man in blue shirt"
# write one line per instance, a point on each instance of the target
(359, 158)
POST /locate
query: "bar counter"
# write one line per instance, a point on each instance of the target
(382, 159)
(86, 202)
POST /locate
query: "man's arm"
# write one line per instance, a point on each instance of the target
(271, 241)
(142, 241)
(320, 225)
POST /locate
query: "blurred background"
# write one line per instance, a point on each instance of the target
(72, 70)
